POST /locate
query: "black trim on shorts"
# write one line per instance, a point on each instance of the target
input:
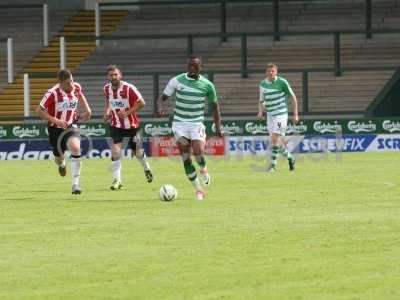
(118, 134)
(56, 133)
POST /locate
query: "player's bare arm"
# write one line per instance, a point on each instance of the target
(107, 111)
(138, 106)
(217, 119)
(42, 112)
(295, 109)
(85, 116)
(261, 110)
(160, 105)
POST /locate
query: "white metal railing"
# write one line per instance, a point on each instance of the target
(10, 60)
(10, 45)
(63, 56)
(27, 96)
(45, 25)
(97, 18)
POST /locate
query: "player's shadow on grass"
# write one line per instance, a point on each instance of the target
(75, 199)
(78, 198)
(17, 199)
(29, 198)
(39, 191)
(111, 196)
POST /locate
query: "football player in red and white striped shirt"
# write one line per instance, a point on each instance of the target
(59, 108)
(123, 101)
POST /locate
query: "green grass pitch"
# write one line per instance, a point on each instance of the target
(330, 230)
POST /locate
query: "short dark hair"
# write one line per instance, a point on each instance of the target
(64, 74)
(194, 56)
(112, 68)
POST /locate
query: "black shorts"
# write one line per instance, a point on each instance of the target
(58, 138)
(131, 134)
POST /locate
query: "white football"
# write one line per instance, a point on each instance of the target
(168, 192)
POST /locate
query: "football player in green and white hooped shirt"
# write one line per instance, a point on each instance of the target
(191, 90)
(274, 91)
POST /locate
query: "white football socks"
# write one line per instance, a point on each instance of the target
(196, 184)
(143, 162)
(116, 169)
(76, 166)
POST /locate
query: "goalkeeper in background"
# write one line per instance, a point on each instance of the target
(274, 91)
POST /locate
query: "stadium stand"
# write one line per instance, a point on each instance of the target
(341, 15)
(46, 59)
(25, 26)
(169, 55)
(351, 92)
(327, 92)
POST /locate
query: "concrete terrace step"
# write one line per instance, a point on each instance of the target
(47, 60)
(25, 26)
(237, 94)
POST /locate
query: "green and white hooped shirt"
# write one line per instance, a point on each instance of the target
(190, 97)
(273, 95)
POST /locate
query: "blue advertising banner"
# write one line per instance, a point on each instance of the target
(29, 150)
(96, 148)
(40, 149)
(333, 143)
(253, 145)
(257, 145)
(385, 142)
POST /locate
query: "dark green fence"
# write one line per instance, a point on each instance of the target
(211, 74)
(231, 128)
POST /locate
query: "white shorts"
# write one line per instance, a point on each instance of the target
(189, 130)
(277, 124)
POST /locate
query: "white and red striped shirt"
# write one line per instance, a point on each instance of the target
(61, 104)
(122, 99)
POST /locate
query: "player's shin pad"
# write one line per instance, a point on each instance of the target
(274, 155)
(201, 161)
(116, 169)
(190, 170)
(141, 156)
(284, 151)
(76, 166)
